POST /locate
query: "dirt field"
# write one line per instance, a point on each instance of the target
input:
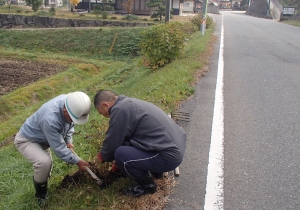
(16, 73)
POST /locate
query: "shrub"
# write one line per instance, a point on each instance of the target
(190, 28)
(52, 11)
(35, 4)
(209, 21)
(163, 43)
(97, 9)
(2, 2)
(197, 20)
(19, 10)
(104, 14)
(130, 17)
(145, 19)
(108, 8)
(41, 13)
(113, 17)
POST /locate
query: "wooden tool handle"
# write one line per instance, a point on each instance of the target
(99, 181)
(73, 152)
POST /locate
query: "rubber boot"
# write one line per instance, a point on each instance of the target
(41, 190)
(145, 185)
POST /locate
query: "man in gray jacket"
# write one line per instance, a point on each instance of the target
(141, 138)
(52, 126)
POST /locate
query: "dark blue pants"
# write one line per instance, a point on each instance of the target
(136, 163)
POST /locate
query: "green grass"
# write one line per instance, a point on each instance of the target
(94, 43)
(165, 87)
(290, 3)
(292, 22)
(65, 13)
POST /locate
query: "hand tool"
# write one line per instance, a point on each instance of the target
(97, 180)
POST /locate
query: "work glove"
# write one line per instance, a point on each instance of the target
(100, 158)
(114, 168)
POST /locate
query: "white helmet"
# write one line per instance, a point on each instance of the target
(78, 105)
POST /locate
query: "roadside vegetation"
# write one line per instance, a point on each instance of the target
(291, 3)
(295, 19)
(105, 43)
(66, 13)
(107, 58)
(293, 22)
(63, 12)
(102, 9)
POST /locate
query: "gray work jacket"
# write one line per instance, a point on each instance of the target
(48, 126)
(144, 126)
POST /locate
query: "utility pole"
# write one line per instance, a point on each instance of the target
(167, 15)
(269, 11)
(204, 11)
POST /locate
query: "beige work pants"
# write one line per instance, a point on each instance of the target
(39, 155)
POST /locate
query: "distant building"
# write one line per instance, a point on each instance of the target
(236, 4)
(188, 6)
(52, 3)
(230, 4)
(55, 3)
(225, 4)
(17, 2)
(139, 7)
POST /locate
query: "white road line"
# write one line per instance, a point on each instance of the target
(214, 197)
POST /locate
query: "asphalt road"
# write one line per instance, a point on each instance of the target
(261, 119)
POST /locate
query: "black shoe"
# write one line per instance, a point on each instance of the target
(145, 185)
(157, 175)
(138, 190)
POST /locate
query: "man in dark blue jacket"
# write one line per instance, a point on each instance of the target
(141, 138)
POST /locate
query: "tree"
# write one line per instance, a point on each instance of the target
(159, 8)
(128, 6)
(97, 9)
(46, 3)
(52, 11)
(65, 2)
(2, 2)
(74, 2)
(35, 4)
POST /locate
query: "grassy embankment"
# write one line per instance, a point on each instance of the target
(64, 13)
(292, 3)
(89, 67)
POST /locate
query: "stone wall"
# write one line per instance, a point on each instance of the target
(259, 8)
(20, 21)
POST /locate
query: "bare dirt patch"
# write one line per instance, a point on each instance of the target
(81, 177)
(17, 73)
(156, 201)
